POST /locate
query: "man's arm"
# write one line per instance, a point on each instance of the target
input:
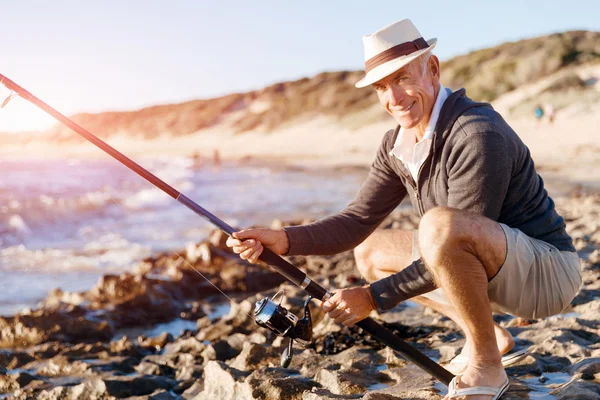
(378, 196)
(480, 170)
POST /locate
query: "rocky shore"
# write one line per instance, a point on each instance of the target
(74, 346)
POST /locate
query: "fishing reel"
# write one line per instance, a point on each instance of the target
(280, 320)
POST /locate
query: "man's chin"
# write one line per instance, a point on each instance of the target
(407, 123)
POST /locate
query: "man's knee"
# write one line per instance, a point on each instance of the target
(442, 229)
(363, 254)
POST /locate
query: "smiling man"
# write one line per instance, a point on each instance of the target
(489, 237)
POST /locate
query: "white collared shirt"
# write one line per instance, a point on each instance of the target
(408, 150)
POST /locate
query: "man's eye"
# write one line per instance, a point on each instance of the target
(402, 79)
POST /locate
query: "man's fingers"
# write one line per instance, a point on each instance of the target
(331, 303)
(343, 316)
(254, 258)
(245, 245)
(248, 253)
(350, 321)
(335, 313)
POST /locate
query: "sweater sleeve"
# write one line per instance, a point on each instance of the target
(381, 192)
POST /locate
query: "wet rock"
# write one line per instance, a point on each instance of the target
(586, 368)
(126, 386)
(578, 390)
(255, 355)
(67, 323)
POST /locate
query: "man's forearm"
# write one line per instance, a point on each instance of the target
(412, 281)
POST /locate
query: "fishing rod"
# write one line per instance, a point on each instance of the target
(268, 314)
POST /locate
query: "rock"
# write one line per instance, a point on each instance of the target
(156, 342)
(587, 368)
(324, 394)
(125, 386)
(58, 366)
(278, 383)
(65, 323)
(353, 381)
(193, 391)
(220, 351)
(160, 394)
(191, 346)
(92, 389)
(154, 368)
(14, 359)
(578, 390)
(223, 382)
(255, 355)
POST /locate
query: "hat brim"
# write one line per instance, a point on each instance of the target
(390, 67)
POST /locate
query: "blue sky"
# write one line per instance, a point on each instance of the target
(123, 55)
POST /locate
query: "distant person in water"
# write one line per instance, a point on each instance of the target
(549, 111)
(216, 159)
(489, 237)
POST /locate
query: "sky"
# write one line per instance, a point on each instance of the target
(92, 56)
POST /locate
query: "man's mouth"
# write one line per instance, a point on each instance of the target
(407, 109)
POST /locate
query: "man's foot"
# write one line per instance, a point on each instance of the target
(459, 364)
(488, 379)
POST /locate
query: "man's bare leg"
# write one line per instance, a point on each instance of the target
(387, 252)
(463, 251)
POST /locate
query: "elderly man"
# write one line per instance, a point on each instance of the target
(489, 237)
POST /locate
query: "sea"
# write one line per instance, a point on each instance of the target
(65, 223)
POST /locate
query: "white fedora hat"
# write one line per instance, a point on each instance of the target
(391, 48)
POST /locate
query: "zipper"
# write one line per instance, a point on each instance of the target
(412, 182)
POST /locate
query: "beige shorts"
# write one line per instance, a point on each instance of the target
(536, 280)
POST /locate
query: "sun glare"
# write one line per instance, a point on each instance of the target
(20, 115)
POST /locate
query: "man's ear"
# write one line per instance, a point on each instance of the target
(434, 68)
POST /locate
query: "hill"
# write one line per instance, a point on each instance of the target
(486, 74)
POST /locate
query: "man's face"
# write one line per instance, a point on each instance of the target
(408, 95)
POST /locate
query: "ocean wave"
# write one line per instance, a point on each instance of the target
(110, 252)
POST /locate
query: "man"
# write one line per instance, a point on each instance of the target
(489, 235)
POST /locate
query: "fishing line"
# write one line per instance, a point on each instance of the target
(274, 316)
(183, 259)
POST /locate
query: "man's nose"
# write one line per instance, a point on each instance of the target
(396, 95)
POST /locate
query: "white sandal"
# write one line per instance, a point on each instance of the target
(454, 391)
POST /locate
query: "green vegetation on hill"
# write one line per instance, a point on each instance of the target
(486, 74)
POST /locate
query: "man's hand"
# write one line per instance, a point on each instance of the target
(249, 242)
(349, 306)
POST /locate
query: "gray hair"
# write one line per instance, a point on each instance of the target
(423, 61)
